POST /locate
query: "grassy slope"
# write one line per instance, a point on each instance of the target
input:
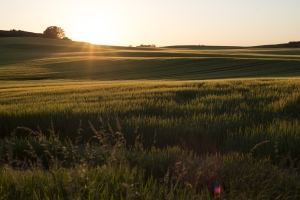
(39, 58)
(229, 118)
(154, 106)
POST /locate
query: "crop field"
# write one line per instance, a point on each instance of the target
(231, 114)
(191, 122)
(38, 58)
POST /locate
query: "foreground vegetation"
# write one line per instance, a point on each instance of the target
(113, 172)
(221, 115)
(73, 126)
(140, 134)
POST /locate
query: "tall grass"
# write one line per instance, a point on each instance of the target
(225, 139)
(206, 116)
(44, 167)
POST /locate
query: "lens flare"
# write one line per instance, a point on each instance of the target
(218, 189)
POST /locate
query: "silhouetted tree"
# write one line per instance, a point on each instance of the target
(54, 32)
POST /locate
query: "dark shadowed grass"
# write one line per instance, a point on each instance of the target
(44, 167)
(207, 116)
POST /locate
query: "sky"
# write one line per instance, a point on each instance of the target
(159, 22)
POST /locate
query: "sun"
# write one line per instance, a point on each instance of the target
(92, 32)
(89, 24)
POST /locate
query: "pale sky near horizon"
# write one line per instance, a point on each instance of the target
(160, 22)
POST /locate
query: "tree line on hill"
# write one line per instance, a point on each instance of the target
(52, 32)
(292, 44)
(147, 45)
(19, 33)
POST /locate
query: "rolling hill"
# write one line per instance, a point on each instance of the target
(29, 58)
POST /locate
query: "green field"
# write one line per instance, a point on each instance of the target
(38, 58)
(102, 122)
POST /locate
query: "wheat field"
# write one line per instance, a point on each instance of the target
(101, 122)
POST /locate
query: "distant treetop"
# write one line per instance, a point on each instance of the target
(54, 32)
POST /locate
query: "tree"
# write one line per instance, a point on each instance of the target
(54, 32)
